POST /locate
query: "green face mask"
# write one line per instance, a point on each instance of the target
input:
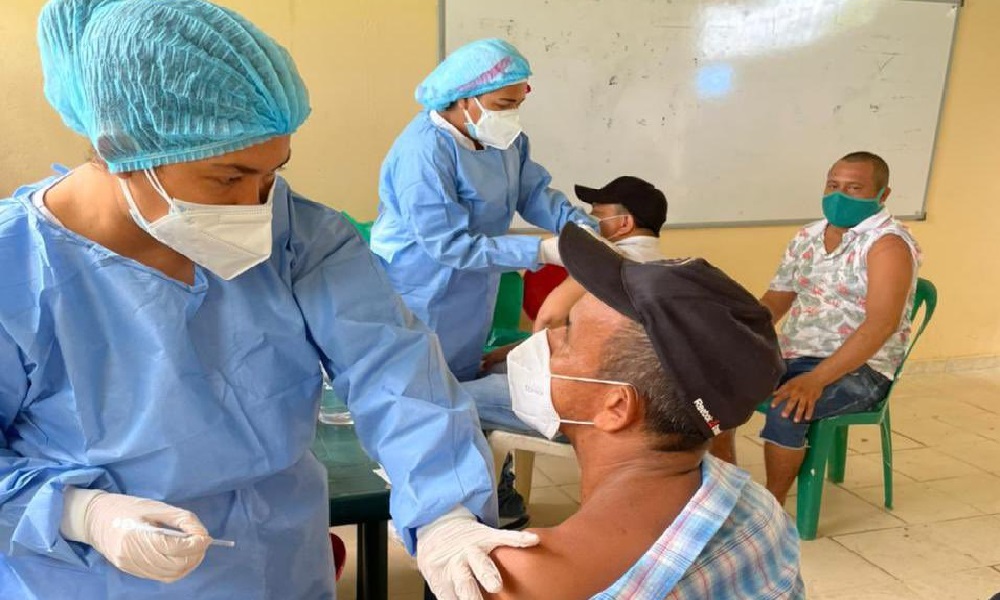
(844, 211)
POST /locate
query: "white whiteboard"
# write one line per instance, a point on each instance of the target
(734, 108)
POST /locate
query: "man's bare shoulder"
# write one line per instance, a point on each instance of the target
(585, 554)
(541, 571)
(891, 244)
(559, 567)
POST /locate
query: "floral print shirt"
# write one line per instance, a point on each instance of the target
(831, 288)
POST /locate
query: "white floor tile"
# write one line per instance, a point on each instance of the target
(928, 464)
(907, 552)
(829, 567)
(560, 471)
(842, 512)
(867, 439)
(975, 584)
(919, 502)
(984, 454)
(889, 591)
(749, 451)
(572, 490)
(865, 470)
(923, 407)
(985, 425)
(975, 538)
(550, 506)
(932, 432)
(982, 491)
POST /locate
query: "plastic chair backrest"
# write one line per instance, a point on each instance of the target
(507, 314)
(364, 228)
(538, 285)
(925, 296)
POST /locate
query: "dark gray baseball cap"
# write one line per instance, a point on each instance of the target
(715, 341)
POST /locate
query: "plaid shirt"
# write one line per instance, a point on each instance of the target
(732, 540)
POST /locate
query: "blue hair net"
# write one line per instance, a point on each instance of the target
(472, 70)
(154, 82)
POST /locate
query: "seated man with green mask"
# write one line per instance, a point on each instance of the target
(846, 283)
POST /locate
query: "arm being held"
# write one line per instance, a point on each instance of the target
(555, 310)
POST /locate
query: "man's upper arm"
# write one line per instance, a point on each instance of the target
(890, 276)
(530, 572)
(555, 309)
(778, 303)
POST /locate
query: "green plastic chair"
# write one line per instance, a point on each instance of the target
(507, 314)
(828, 437)
(363, 227)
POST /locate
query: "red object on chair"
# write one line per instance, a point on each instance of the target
(538, 285)
(339, 555)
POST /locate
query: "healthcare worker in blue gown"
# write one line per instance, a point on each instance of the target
(164, 312)
(450, 187)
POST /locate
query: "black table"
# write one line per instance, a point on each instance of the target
(357, 497)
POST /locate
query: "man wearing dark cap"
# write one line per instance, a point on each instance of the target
(655, 361)
(630, 212)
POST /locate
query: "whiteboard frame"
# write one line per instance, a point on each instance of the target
(920, 216)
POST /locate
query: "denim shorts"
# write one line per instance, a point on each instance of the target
(858, 391)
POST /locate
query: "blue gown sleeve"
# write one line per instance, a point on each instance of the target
(31, 488)
(409, 412)
(427, 194)
(540, 204)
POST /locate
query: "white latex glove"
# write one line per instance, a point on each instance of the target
(548, 252)
(114, 525)
(454, 551)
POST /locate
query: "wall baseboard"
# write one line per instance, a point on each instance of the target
(952, 365)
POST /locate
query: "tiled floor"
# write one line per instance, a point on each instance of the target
(941, 541)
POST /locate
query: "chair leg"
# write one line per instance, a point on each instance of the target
(838, 455)
(524, 468)
(886, 427)
(811, 475)
(499, 456)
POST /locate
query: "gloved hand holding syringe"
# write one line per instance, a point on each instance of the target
(142, 537)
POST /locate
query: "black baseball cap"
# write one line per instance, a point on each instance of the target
(715, 341)
(647, 204)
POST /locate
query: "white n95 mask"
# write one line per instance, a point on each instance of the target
(496, 128)
(226, 240)
(530, 384)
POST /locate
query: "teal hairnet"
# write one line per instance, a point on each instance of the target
(472, 70)
(155, 82)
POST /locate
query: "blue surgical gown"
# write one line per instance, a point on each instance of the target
(205, 396)
(442, 230)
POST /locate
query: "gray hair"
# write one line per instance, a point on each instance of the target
(630, 357)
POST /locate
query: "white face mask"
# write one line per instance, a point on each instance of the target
(531, 385)
(226, 240)
(496, 128)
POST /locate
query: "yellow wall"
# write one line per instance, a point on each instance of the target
(362, 59)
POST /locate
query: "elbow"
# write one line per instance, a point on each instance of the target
(881, 329)
(454, 253)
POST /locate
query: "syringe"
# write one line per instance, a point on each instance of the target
(181, 534)
(174, 533)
